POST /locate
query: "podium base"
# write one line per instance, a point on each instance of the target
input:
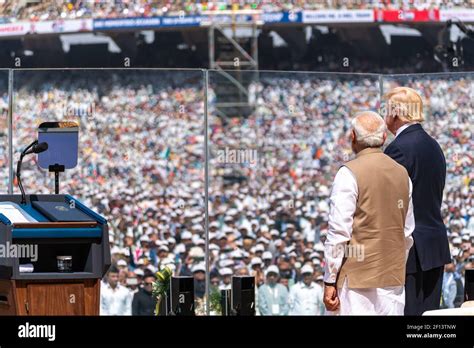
(50, 297)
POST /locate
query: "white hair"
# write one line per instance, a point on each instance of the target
(369, 129)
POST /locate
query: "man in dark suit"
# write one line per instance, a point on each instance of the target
(424, 160)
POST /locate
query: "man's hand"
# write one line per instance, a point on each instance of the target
(331, 301)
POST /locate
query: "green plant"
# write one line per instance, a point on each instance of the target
(161, 286)
(215, 301)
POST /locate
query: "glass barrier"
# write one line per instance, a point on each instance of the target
(276, 142)
(4, 107)
(141, 160)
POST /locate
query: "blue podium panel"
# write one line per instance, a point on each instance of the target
(95, 232)
(85, 242)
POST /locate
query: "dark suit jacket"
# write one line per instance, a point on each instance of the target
(424, 161)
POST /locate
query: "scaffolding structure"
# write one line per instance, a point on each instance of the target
(233, 54)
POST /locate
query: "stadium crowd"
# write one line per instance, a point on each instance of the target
(55, 9)
(142, 166)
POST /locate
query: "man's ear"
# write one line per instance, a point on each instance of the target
(396, 117)
(384, 137)
(353, 136)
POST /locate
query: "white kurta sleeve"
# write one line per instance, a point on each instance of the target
(104, 303)
(409, 221)
(128, 304)
(291, 299)
(342, 208)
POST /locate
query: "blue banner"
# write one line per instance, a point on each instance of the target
(282, 17)
(147, 22)
(191, 21)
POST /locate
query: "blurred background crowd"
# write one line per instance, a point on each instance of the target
(142, 167)
(50, 10)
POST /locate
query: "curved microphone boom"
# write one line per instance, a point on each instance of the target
(34, 147)
(37, 148)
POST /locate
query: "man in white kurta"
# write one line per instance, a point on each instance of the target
(306, 296)
(115, 299)
(368, 135)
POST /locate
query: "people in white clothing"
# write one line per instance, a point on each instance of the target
(306, 296)
(115, 299)
(226, 282)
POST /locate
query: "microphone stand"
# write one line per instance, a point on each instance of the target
(18, 171)
(56, 169)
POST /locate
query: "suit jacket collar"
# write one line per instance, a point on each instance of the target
(413, 128)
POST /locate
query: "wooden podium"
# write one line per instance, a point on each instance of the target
(48, 297)
(46, 290)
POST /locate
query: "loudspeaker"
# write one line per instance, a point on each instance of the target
(243, 295)
(469, 285)
(226, 303)
(181, 297)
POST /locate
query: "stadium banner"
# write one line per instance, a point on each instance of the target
(181, 21)
(282, 17)
(45, 27)
(223, 19)
(61, 26)
(14, 29)
(338, 16)
(80, 25)
(318, 16)
(407, 15)
(465, 15)
(146, 22)
(197, 20)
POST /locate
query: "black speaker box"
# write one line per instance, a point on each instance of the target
(181, 297)
(243, 295)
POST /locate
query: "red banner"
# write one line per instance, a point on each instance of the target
(406, 15)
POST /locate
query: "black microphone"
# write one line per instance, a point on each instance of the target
(37, 148)
(34, 147)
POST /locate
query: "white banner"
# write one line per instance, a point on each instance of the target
(46, 27)
(61, 26)
(14, 29)
(465, 15)
(338, 16)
